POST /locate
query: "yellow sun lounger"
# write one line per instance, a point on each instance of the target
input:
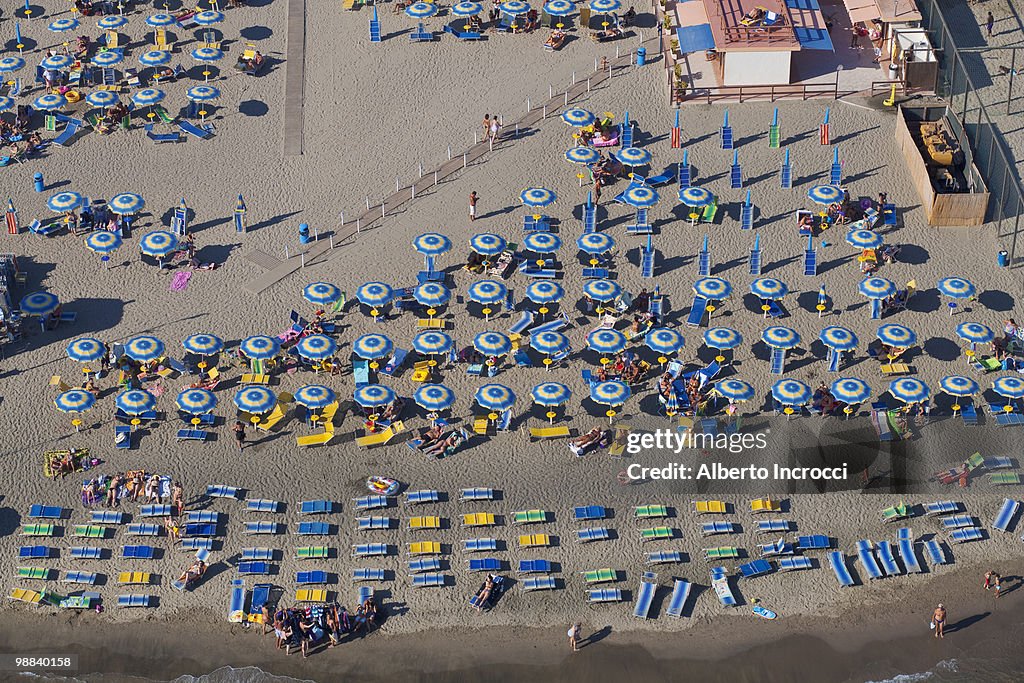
(765, 505)
(535, 541)
(894, 369)
(709, 507)
(427, 522)
(328, 413)
(125, 578)
(319, 439)
(482, 426)
(421, 371)
(478, 519)
(23, 595)
(425, 548)
(311, 595)
(276, 415)
(255, 379)
(549, 432)
(430, 323)
(382, 437)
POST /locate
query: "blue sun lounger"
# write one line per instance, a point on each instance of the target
(645, 596)
(86, 553)
(589, 512)
(155, 511)
(1007, 513)
(866, 555)
(720, 582)
(484, 564)
(755, 568)
(905, 541)
(255, 568)
(138, 552)
(998, 463)
(698, 309)
(255, 554)
(134, 600)
(427, 564)
(604, 595)
(935, 553)
(45, 512)
(316, 507)
(837, 561)
(314, 529)
(371, 502)
(476, 545)
(539, 583)
(680, 594)
(373, 523)
(596, 534)
(813, 542)
(534, 566)
(262, 528)
(958, 522)
(476, 494)
(429, 580)
(202, 517)
(190, 128)
(941, 507)
(70, 130)
(196, 544)
(765, 526)
(664, 557)
(143, 529)
(366, 574)
(36, 552)
(88, 578)
(260, 597)
(888, 560)
(776, 548)
(789, 564)
(430, 496)
(714, 528)
(197, 529)
(311, 577)
(966, 535)
(262, 505)
(221, 491)
(370, 550)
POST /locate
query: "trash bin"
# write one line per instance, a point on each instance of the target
(303, 233)
(38, 178)
(1003, 258)
(641, 56)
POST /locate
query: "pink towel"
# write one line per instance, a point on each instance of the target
(180, 281)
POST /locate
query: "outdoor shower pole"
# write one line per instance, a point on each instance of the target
(1009, 88)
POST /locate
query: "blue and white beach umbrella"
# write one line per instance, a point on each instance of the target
(487, 244)
(838, 338)
(102, 98)
(49, 102)
(492, 344)
(909, 390)
(606, 341)
(320, 346)
(10, 64)
(549, 343)
(196, 401)
(958, 385)
(432, 342)
(695, 196)
(850, 390)
(602, 290)
(126, 203)
(207, 54)
(559, 8)
(39, 303)
(421, 10)
(434, 397)
(467, 9)
(374, 395)
(6, 103)
(779, 337)
(640, 197)
(374, 294)
(259, 347)
(877, 288)
(896, 335)
(321, 293)
(578, 118)
(514, 7)
(158, 243)
(155, 58)
(107, 59)
(135, 401)
(62, 25)
(975, 333)
(550, 394)
(432, 294)
(722, 338)
(542, 243)
(487, 292)
(791, 392)
(202, 93)
(255, 400)
(610, 393)
(64, 201)
(1009, 387)
(544, 292)
(825, 194)
(604, 6)
(74, 401)
(595, 242)
(148, 96)
(864, 239)
(734, 389)
(538, 197)
(57, 62)
(432, 244)
(769, 288)
(370, 346)
(112, 21)
(633, 156)
(203, 344)
(315, 396)
(144, 348)
(664, 340)
(208, 17)
(103, 242)
(582, 155)
(713, 288)
(495, 397)
(86, 349)
(160, 19)
(956, 287)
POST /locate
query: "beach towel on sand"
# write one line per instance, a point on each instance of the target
(180, 281)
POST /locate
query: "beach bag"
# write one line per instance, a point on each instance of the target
(931, 625)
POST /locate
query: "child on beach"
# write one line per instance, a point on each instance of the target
(472, 205)
(574, 636)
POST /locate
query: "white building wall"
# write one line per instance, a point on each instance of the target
(757, 68)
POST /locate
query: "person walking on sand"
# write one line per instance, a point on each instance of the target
(472, 205)
(939, 620)
(989, 21)
(487, 126)
(495, 127)
(988, 579)
(239, 430)
(996, 584)
(574, 636)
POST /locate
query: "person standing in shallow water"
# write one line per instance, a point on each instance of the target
(939, 619)
(574, 636)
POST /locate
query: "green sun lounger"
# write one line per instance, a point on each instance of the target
(1004, 478)
(649, 511)
(312, 552)
(90, 531)
(722, 553)
(529, 517)
(34, 573)
(603, 575)
(891, 514)
(658, 533)
(974, 462)
(38, 529)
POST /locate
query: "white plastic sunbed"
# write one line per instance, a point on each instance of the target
(941, 507)
(788, 564)
(645, 596)
(680, 594)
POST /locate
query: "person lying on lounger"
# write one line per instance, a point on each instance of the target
(890, 252)
(608, 34)
(583, 443)
(483, 596)
(556, 39)
(441, 446)
(753, 17)
(191, 574)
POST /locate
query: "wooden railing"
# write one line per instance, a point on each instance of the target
(743, 93)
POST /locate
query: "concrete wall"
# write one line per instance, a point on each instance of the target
(757, 68)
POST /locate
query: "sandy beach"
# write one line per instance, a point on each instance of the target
(376, 112)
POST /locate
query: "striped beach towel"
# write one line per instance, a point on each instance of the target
(180, 281)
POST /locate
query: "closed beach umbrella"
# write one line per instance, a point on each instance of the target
(606, 341)
(542, 243)
(550, 394)
(467, 9)
(208, 17)
(321, 293)
(734, 389)
(49, 102)
(155, 58)
(320, 346)
(62, 25)
(144, 348)
(514, 7)
(370, 346)
(39, 303)
(434, 397)
(432, 244)
(255, 399)
(107, 59)
(202, 93)
(259, 347)
(722, 338)
(207, 54)
(487, 292)
(203, 344)
(64, 201)
(492, 344)
(695, 196)
(825, 194)
(135, 401)
(877, 288)
(602, 290)
(549, 343)
(112, 21)
(664, 340)
(769, 288)
(160, 19)
(432, 294)
(315, 396)
(791, 392)
(158, 244)
(74, 401)
(838, 338)
(779, 337)
(374, 294)
(196, 401)
(495, 397)
(864, 239)
(1009, 387)
(850, 390)
(102, 98)
(432, 342)
(126, 204)
(421, 10)
(975, 333)
(595, 243)
(544, 292)
(610, 393)
(537, 197)
(148, 96)
(909, 390)
(103, 242)
(86, 349)
(582, 155)
(633, 156)
(487, 244)
(714, 288)
(11, 64)
(956, 287)
(57, 62)
(578, 118)
(896, 335)
(958, 385)
(640, 197)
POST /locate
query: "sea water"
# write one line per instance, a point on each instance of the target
(225, 674)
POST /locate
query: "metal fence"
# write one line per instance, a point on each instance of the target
(993, 159)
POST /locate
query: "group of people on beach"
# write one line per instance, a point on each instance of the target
(135, 486)
(305, 627)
